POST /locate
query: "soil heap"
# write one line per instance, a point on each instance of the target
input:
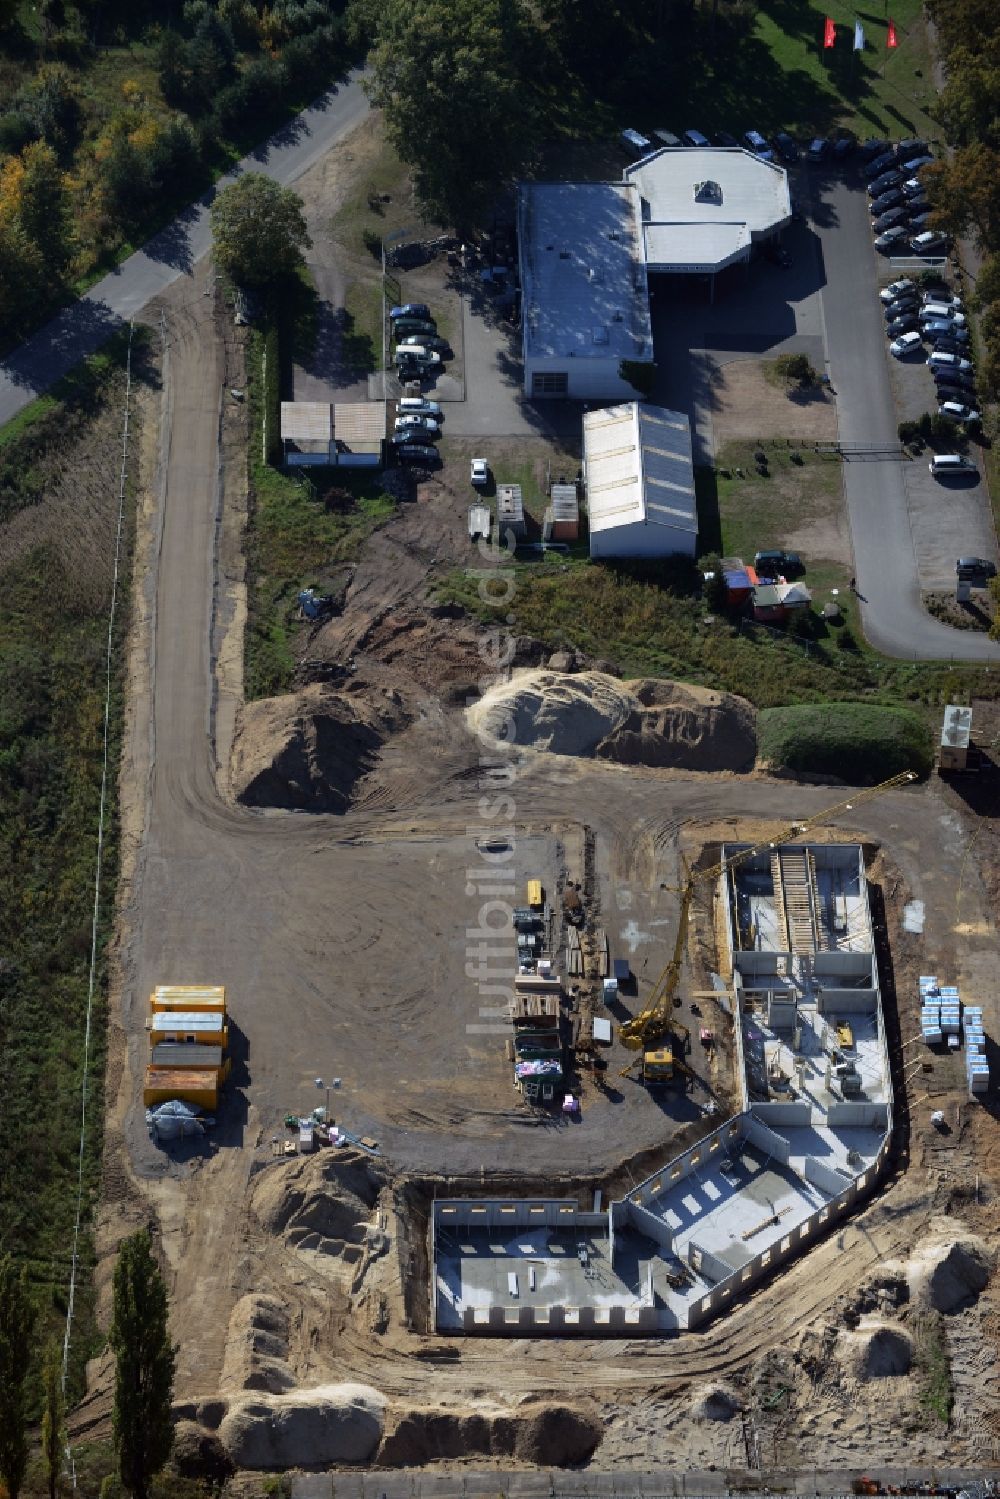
(308, 749)
(947, 1273)
(644, 722)
(338, 1423)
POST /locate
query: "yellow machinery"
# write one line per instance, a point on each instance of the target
(654, 1020)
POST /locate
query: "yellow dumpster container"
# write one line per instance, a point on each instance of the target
(535, 893)
(194, 1086)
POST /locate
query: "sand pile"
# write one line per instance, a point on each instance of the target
(325, 1202)
(715, 1402)
(646, 722)
(198, 1453)
(947, 1273)
(339, 1423)
(308, 749)
(879, 1352)
(547, 1435)
(257, 1346)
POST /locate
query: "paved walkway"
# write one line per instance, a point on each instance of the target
(81, 329)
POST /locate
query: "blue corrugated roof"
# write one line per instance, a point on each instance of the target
(667, 468)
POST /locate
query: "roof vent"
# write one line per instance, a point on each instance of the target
(612, 234)
(707, 192)
(600, 335)
(596, 274)
(564, 255)
(619, 317)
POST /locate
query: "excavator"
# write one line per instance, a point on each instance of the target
(651, 1031)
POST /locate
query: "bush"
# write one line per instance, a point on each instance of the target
(796, 370)
(858, 742)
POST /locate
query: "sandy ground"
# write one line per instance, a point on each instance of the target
(345, 944)
(745, 404)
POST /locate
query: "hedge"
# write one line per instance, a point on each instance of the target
(862, 743)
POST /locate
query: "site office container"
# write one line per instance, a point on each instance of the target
(189, 1058)
(189, 1027)
(195, 1086)
(184, 997)
(534, 893)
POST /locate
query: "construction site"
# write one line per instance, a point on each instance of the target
(579, 1102)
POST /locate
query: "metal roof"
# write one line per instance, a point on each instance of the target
(360, 425)
(639, 468)
(306, 421)
(172, 1021)
(956, 729)
(729, 189)
(565, 504)
(583, 275)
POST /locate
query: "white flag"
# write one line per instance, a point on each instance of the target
(859, 37)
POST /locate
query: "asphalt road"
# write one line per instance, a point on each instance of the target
(884, 554)
(84, 327)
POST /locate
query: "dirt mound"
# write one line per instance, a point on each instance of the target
(688, 727)
(880, 1352)
(948, 1273)
(199, 1454)
(715, 1402)
(329, 1194)
(257, 1346)
(340, 1423)
(309, 749)
(547, 1435)
(646, 722)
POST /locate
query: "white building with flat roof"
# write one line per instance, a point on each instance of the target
(703, 210)
(585, 306)
(640, 482)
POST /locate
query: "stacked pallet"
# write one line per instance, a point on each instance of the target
(930, 1009)
(977, 1068)
(189, 1040)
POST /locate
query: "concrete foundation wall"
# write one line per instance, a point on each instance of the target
(765, 1139)
(784, 1115)
(724, 1139)
(845, 964)
(828, 1181)
(859, 1116)
(759, 962)
(708, 1265)
(645, 1222)
(847, 1002)
(453, 1213)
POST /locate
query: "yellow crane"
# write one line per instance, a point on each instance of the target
(653, 1022)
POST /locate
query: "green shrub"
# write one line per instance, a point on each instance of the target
(857, 742)
(795, 369)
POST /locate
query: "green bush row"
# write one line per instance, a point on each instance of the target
(857, 742)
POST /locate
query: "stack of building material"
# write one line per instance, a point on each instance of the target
(930, 1010)
(977, 1068)
(951, 1012)
(574, 956)
(189, 1038)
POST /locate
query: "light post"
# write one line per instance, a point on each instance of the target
(332, 1083)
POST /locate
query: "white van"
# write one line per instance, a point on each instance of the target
(418, 406)
(950, 463)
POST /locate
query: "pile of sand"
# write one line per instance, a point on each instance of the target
(646, 722)
(257, 1347)
(543, 1434)
(322, 1202)
(339, 1423)
(308, 749)
(947, 1273)
(715, 1402)
(879, 1352)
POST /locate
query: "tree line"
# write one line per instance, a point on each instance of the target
(81, 178)
(142, 1420)
(965, 189)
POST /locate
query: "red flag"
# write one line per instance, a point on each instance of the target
(892, 40)
(829, 33)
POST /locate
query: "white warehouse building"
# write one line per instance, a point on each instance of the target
(584, 302)
(639, 478)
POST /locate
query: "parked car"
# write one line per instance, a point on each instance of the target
(928, 243)
(695, 138)
(887, 220)
(414, 424)
(818, 149)
(909, 167)
(908, 148)
(418, 360)
(723, 138)
(755, 142)
(778, 563)
(907, 343)
(912, 188)
(884, 184)
(634, 143)
(949, 346)
(941, 298)
(906, 303)
(950, 390)
(880, 164)
(941, 360)
(897, 289)
(424, 341)
(958, 411)
(872, 147)
(843, 147)
(785, 146)
(667, 138)
(943, 464)
(410, 309)
(404, 326)
(897, 235)
(893, 199)
(971, 568)
(418, 452)
(480, 472)
(964, 378)
(943, 334)
(919, 222)
(901, 325)
(419, 406)
(948, 310)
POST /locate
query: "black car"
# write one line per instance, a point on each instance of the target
(723, 138)
(891, 199)
(954, 393)
(778, 564)
(785, 146)
(883, 163)
(844, 147)
(960, 380)
(907, 323)
(901, 306)
(971, 568)
(945, 345)
(905, 149)
(884, 184)
(872, 147)
(890, 220)
(418, 452)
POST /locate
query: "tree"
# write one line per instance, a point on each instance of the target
(53, 1418)
(45, 208)
(17, 1327)
(966, 191)
(144, 1366)
(259, 230)
(450, 77)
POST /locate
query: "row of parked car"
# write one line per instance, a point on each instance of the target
(899, 207)
(420, 349)
(934, 320)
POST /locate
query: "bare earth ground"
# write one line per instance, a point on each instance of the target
(344, 943)
(746, 404)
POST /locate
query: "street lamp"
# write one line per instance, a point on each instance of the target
(332, 1083)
